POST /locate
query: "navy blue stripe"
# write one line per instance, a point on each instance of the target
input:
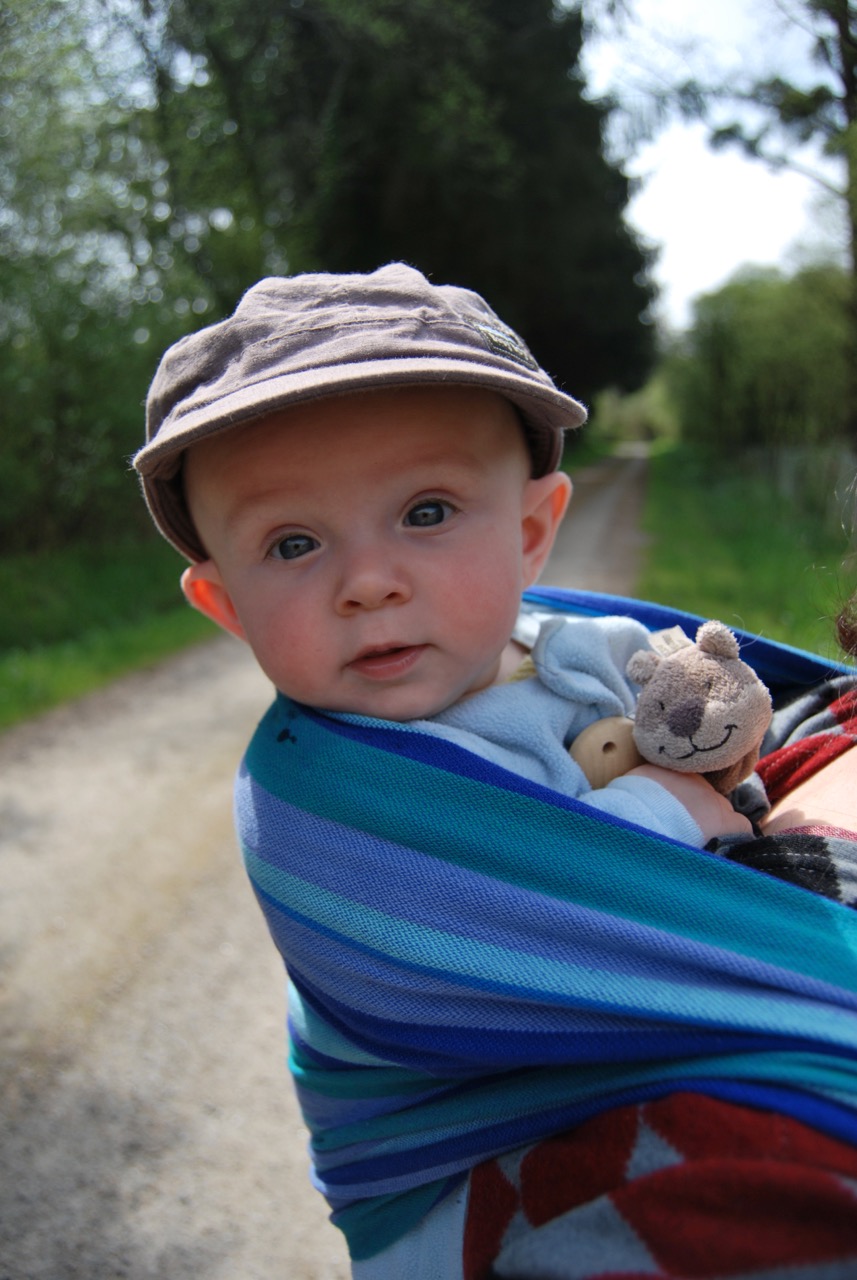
(441, 1047)
(472, 1148)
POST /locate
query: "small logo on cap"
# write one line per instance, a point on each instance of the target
(503, 342)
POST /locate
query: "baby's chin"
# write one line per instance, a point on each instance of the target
(408, 711)
(404, 702)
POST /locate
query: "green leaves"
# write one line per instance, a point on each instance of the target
(780, 119)
(450, 133)
(766, 362)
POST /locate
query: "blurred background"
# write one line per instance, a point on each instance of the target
(660, 195)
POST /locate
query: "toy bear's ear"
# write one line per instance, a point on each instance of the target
(642, 665)
(716, 638)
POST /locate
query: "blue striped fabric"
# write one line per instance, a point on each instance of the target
(477, 962)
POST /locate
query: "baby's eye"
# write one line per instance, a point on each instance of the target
(425, 514)
(293, 546)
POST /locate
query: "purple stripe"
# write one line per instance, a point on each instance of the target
(429, 892)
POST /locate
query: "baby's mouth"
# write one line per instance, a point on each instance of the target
(385, 661)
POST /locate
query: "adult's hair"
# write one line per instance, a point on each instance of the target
(846, 626)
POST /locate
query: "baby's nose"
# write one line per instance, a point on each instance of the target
(372, 581)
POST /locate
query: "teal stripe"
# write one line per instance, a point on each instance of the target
(569, 855)
(324, 1038)
(380, 1082)
(537, 1092)
(530, 976)
(370, 1226)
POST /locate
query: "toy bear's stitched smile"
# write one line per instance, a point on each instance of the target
(701, 750)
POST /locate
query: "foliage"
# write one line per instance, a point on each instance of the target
(759, 381)
(765, 362)
(723, 544)
(36, 679)
(452, 134)
(82, 308)
(78, 616)
(647, 414)
(158, 156)
(52, 596)
(788, 113)
(777, 114)
(787, 99)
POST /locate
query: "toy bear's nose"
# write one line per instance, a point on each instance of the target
(685, 717)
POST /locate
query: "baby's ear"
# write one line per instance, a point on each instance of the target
(544, 505)
(203, 588)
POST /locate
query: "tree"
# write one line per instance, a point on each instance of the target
(453, 134)
(765, 363)
(82, 303)
(158, 156)
(776, 114)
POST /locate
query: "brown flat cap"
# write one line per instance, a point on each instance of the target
(298, 338)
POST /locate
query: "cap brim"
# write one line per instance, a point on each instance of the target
(546, 411)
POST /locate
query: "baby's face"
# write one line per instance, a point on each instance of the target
(372, 547)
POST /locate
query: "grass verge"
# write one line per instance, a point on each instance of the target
(75, 619)
(725, 545)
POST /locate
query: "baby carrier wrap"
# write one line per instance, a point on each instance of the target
(477, 962)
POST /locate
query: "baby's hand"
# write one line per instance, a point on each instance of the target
(710, 810)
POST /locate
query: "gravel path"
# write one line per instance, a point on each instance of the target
(149, 1130)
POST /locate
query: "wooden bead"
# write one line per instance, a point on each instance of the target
(606, 749)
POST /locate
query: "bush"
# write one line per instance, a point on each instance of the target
(764, 363)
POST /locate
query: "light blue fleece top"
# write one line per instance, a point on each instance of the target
(527, 726)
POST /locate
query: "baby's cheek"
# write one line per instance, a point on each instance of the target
(289, 655)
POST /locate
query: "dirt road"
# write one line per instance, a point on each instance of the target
(148, 1127)
(600, 544)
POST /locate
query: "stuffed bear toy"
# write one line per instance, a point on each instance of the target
(701, 709)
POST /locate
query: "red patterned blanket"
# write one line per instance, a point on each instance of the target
(695, 1185)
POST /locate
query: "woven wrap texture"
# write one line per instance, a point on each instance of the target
(477, 962)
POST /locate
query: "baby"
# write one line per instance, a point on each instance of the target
(362, 471)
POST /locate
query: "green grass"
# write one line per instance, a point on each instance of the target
(33, 680)
(725, 545)
(51, 596)
(73, 620)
